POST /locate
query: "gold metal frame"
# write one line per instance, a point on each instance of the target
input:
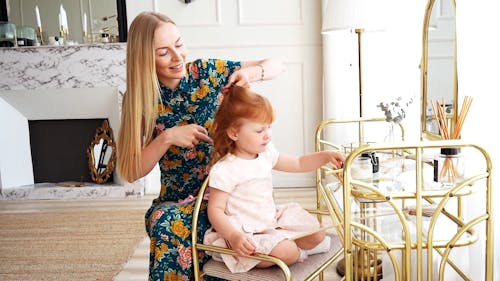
(423, 70)
(367, 258)
(104, 132)
(197, 246)
(369, 239)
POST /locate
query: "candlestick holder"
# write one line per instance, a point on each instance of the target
(63, 35)
(40, 35)
(87, 38)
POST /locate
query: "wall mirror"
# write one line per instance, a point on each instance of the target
(102, 154)
(107, 17)
(439, 65)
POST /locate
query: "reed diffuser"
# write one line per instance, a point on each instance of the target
(451, 168)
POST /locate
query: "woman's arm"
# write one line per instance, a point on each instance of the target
(265, 69)
(258, 70)
(308, 162)
(238, 241)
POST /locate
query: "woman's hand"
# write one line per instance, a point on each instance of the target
(241, 243)
(238, 78)
(185, 136)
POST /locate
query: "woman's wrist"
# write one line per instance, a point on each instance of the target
(262, 72)
(165, 140)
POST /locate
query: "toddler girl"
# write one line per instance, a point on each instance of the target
(241, 208)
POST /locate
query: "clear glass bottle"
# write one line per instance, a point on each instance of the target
(449, 167)
(365, 167)
(362, 169)
(8, 34)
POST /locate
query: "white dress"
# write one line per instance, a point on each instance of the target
(251, 208)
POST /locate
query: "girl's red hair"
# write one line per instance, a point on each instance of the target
(238, 103)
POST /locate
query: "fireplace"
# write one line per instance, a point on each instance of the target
(58, 83)
(60, 108)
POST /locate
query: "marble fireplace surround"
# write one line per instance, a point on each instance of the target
(63, 82)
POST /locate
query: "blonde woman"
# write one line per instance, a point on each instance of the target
(167, 110)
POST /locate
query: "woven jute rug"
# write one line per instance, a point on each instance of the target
(68, 245)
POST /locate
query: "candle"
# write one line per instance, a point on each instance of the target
(61, 22)
(38, 21)
(63, 18)
(85, 23)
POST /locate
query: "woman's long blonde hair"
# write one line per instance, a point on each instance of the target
(238, 103)
(140, 102)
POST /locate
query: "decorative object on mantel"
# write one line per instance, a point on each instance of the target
(8, 36)
(39, 27)
(107, 32)
(102, 154)
(26, 36)
(84, 28)
(63, 23)
(449, 166)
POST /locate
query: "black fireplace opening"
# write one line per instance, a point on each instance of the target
(59, 149)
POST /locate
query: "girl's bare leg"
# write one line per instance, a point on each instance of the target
(310, 241)
(286, 250)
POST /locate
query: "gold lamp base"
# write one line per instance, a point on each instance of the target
(370, 273)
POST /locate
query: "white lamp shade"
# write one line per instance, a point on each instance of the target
(354, 14)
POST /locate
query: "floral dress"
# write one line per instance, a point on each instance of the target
(168, 220)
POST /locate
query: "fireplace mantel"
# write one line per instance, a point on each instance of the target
(54, 67)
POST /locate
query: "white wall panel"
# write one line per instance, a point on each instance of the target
(253, 13)
(211, 23)
(134, 7)
(196, 13)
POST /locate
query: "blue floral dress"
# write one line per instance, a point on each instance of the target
(168, 223)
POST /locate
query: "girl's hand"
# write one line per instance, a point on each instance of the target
(242, 244)
(238, 78)
(185, 136)
(336, 158)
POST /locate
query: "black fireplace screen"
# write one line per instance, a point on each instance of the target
(58, 149)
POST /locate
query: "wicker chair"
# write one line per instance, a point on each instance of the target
(310, 269)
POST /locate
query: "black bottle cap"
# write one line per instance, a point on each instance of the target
(449, 151)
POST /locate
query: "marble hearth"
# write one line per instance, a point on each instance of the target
(63, 82)
(50, 191)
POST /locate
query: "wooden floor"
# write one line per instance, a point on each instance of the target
(137, 266)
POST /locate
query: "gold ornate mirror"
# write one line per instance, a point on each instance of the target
(439, 65)
(102, 154)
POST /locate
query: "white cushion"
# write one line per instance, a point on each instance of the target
(299, 271)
